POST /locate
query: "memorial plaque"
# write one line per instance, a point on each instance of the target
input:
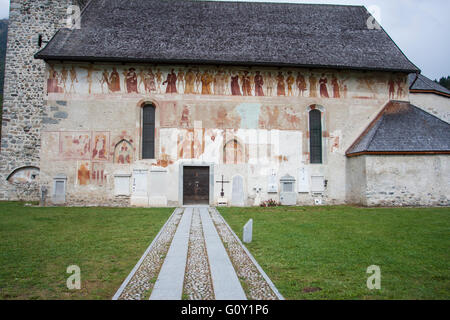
(237, 196)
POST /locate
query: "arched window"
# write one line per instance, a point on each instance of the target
(315, 136)
(148, 132)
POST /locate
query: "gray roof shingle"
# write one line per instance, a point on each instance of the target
(424, 84)
(210, 32)
(403, 128)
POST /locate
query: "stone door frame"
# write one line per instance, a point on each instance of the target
(209, 165)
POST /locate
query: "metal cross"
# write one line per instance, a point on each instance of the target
(222, 193)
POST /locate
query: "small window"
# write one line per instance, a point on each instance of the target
(148, 132)
(315, 137)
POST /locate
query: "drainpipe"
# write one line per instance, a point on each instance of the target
(412, 84)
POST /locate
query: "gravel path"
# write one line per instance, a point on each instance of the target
(198, 284)
(141, 284)
(255, 286)
(197, 281)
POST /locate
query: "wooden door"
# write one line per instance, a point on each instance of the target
(195, 185)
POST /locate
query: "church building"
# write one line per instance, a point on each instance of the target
(171, 103)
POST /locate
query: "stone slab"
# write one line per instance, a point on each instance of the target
(225, 281)
(169, 285)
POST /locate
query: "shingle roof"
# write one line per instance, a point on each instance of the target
(423, 84)
(403, 128)
(211, 32)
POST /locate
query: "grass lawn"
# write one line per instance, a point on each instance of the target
(38, 244)
(331, 248)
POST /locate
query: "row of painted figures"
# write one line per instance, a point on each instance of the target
(241, 83)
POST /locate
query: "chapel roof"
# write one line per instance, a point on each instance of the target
(401, 128)
(425, 85)
(228, 33)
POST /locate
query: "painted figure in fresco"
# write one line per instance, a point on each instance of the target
(391, 85)
(124, 153)
(259, 82)
(99, 151)
(159, 80)
(190, 82)
(114, 81)
(235, 88)
(73, 79)
(207, 80)
(149, 81)
(281, 89)
(269, 83)
(312, 86)
(323, 87)
(252, 82)
(84, 174)
(301, 85)
(64, 77)
(131, 79)
(52, 81)
(184, 123)
(105, 80)
(181, 83)
(171, 82)
(198, 81)
(246, 85)
(290, 82)
(219, 83)
(336, 88)
(400, 84)
(226, 82)
(90, 72)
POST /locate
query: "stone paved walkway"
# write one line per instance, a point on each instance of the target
(197, 256)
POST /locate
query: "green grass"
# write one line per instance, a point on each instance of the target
(331, 248)
(38, 244)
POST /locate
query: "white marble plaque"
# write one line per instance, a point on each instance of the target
(318, 184)
(303, 180)
(237, 196)
(140, 186)
(122, 184)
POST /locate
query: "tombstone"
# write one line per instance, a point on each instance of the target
(237, 196)
(248, 231)
(288, 196)
(303, 180)
(59, 189)
(139, 196)
(317, 184)
(272, 184)
(122, 184)
(158, 188)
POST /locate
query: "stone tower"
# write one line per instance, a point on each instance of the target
(29, 21)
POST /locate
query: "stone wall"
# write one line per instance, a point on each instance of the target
(24, 87)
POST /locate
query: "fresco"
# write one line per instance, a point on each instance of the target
(83, 173)
(232, 81)
(123, 153)
(75, 145)
(98, 174)
(100, 146)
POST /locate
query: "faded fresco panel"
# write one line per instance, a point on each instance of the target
(123, 153)
(83, 173)
(75, 145)
(100, 146)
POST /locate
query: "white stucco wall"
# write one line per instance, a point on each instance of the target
(418, 180)
(438, 106)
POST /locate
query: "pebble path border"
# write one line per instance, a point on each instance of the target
(140, 281)
(257, 284)
(197, 280)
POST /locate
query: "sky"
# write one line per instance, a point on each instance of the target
(420, 28)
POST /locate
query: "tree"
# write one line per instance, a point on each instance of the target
(445, 82)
